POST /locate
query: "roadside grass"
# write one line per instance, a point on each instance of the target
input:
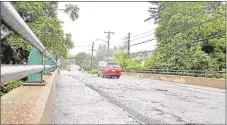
(91, 72)
(10, 86)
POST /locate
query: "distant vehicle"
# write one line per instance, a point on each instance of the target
(110, 69)
(69, 69)
(102, 63)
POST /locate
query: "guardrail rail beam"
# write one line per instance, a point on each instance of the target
(13, 20)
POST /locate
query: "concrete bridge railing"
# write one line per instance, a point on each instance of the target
(200, 81)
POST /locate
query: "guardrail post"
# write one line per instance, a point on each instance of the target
(47, 62)
(35, 58)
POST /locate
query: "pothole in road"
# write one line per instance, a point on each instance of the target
(163, 90)
(150, 101)
(177, 118)
(121, 96)
(191, 124)
(66, 114)
(200, 97)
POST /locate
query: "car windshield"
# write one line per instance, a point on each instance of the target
(113, 65)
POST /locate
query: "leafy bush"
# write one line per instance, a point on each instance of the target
(224, 76)
(91, 72)
(10, 86)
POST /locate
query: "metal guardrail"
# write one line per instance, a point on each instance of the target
(13, 20)
(15, 72)
(195, 73)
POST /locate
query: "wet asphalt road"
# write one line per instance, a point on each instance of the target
(138, 101)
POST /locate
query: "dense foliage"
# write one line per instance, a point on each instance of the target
(184, 35)
(84, 61)
(190, 36)
(125, 61)
(41, 17)
(102, 52)
(91, 72)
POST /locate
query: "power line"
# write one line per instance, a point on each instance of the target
(115, 43)
(141, 37)
(142, 33)
(142, 42)
(174, 33)
(198, 24)
(196, 41)
(146, 51)
(211, 37)
(184, 29)
(83, 46)
(100, 44)
(133, 39)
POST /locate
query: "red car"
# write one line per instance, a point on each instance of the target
(110, 69)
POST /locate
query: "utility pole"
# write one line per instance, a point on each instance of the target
(92, 50)
(128, 44)
(108, 43)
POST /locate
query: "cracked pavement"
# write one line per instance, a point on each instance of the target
(139, 101)
(77, 104)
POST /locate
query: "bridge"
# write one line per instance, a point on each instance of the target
(51, 96)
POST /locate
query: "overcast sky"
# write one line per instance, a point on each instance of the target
(117, 17)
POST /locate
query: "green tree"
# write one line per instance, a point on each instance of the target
(41, 17)
(84, 60)
(101, 52)
(179, 26)
(134, 64)
(72, 10)
(80, 58)
(69, 41)
(122, 58)
(126, 62)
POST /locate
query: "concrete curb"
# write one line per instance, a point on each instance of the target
(199, 81)
(29, 104)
